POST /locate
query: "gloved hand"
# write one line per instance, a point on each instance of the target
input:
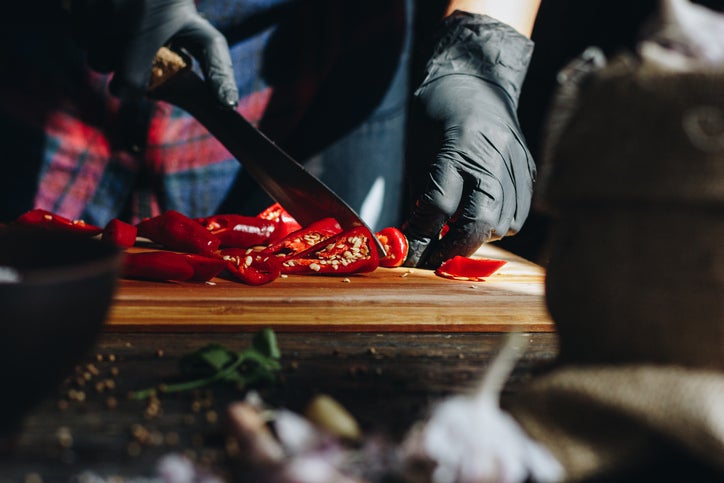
(479, 172)
(123, 36)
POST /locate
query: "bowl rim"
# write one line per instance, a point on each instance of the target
(107, 258)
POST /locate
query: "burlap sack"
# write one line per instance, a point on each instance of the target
(635, 283)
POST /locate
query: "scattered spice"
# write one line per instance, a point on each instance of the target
(172, 439)
(33, 478)
(215, 363)
(64, 437)
(133, 449)
(212, 417)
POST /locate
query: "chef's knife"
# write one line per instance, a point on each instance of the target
(304, 196)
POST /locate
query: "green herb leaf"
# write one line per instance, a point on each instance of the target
(265, 341)
(214, 362)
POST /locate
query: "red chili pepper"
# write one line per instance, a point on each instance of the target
(395, 244)
(239, 231)
(469, 269)
(44, 219)
(352, 251)
(176, 231)
(305, 238)
(285, 222)
(159, 266)
(119, 233)
(251, 267)
(205, 268)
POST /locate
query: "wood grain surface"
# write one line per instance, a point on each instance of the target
(386, 300)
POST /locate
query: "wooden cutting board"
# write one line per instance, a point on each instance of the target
(386, 300)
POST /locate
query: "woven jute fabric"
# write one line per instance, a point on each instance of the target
(635, 283)
(603, 420)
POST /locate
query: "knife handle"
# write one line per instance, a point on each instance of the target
(166, 64)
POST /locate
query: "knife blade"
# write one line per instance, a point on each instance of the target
(287, 181)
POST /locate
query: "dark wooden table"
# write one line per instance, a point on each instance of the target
(387, 381)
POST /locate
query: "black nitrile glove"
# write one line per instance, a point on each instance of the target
(479, 171)
(123, 36)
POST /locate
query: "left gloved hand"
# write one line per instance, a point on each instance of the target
(479, 171)
(123, 37)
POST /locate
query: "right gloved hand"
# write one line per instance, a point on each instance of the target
(123, 36)
(478, 170)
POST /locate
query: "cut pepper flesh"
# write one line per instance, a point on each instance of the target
(44, 219)
(304, 238)
(395, 245)
(251, 267)
(352, 251)
(469, 269)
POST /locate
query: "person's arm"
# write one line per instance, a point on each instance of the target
(519, 14)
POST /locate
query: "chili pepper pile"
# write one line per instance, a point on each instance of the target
(254, 250)
(251, 249)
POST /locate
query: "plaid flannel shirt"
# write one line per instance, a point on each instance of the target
(82, 153)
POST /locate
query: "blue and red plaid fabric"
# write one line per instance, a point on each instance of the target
(71, 148)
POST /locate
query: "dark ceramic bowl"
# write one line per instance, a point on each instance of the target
(55, 293)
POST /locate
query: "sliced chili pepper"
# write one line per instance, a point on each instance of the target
(395, 245)
(239, 231)
(159, 266)
(352, 251)
(305, 238)
(251, 267)
(44, 219)
(469, 269)
(177, 231)
(119, 233)
(285, 222)
(205, 268)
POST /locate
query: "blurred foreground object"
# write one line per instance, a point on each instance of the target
(635, 181)
(55, 292)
